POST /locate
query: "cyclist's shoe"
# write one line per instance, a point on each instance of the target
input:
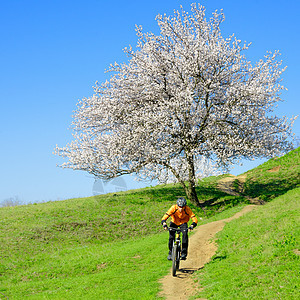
(183, 257)
(170, 256)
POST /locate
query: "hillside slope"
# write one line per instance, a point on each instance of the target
(53, 250)
(273, 178)
(266, 182)
(258, 255)
(90, 247)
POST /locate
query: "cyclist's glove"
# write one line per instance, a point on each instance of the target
(193, 225)
(164, 224)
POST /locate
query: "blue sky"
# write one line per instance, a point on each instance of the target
(52, 52)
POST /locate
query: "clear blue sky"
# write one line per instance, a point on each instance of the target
(53, 51)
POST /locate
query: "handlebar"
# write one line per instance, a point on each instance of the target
(177, 229)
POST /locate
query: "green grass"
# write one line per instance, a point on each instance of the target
(215, 201)
(66, 249)
(275, 177)
(258, 254)
(91, 272)
(92, 247)
(112, 246)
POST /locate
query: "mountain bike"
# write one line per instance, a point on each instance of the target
(176, 250)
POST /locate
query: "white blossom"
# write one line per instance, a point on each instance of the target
(186, 97)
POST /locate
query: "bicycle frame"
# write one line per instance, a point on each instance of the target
(176, 252)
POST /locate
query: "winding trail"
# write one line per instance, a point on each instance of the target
(201, 249)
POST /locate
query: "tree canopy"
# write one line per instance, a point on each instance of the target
(184, 96)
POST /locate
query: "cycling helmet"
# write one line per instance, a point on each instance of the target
(181, 202)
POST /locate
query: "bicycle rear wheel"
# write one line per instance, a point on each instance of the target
(174, 259)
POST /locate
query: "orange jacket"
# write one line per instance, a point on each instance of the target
(180, 217)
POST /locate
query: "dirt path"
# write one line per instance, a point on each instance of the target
(201, 249)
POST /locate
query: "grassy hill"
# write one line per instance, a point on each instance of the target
(111, 246)
(258, 255)
(90, 248)
(275, 177)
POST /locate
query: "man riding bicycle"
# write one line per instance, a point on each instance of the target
(180, 214)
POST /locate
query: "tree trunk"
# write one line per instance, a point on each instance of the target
(191, 187)
(191, 194)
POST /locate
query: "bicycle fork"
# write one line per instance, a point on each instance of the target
(178, 249)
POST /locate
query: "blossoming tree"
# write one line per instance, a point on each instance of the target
(184, 95)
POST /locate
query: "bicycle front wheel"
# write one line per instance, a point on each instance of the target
(178, 257)
(174, 259)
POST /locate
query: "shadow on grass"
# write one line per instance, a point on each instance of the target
(212, 200)
(269, 190)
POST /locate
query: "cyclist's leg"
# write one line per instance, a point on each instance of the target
(185, 240)
(171, 237)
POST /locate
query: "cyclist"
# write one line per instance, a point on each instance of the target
(180, 214)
